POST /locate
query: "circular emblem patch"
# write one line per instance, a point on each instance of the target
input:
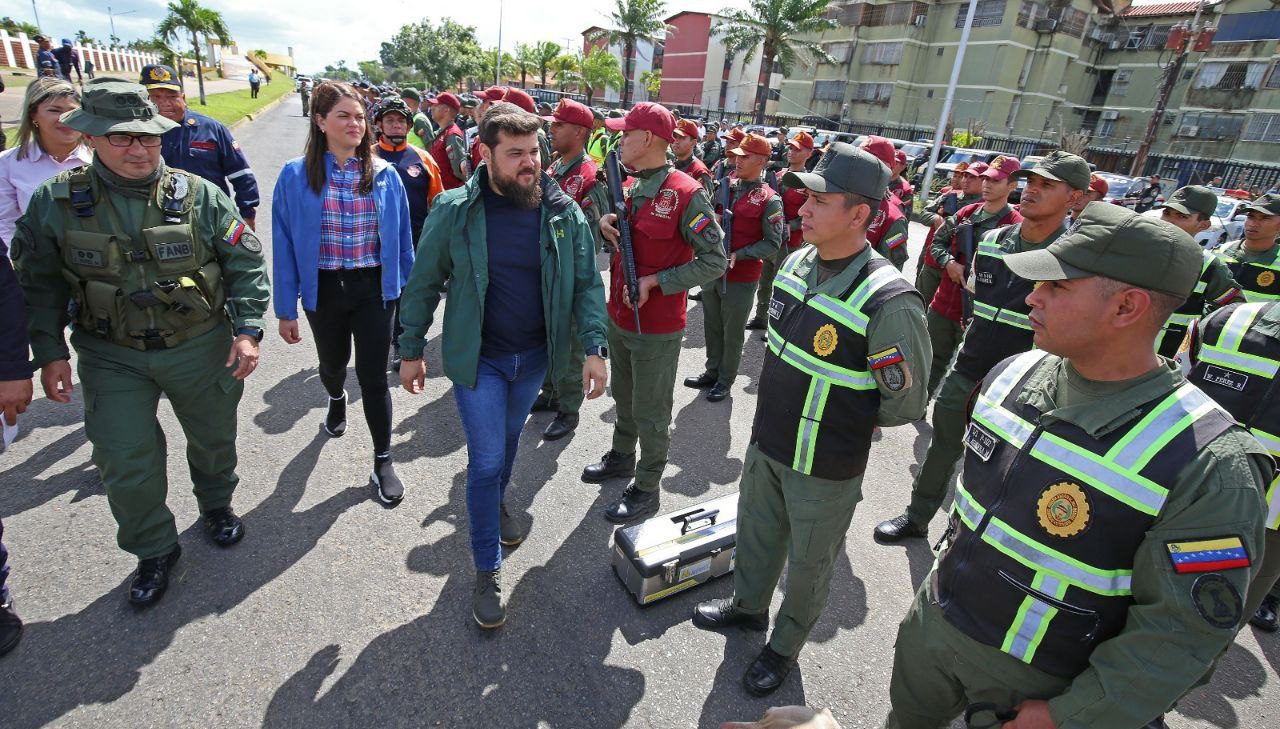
(1266, 278)
(1063, 509)
(825, 340)
(158, 73)
(414, 170)
(573, 186)
(877, 220)
(757, 196)
(666, 201)
(1218, 601)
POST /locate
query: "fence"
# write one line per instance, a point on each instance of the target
(20, 52)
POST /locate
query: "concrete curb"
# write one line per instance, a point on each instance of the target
(250, 117)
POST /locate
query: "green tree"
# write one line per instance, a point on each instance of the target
(495, 67)
(197, 21)
(339, 72)
(545, 53)
(15, 27)
(781, 29)
(652, 82)
(373, 71)
(634, 21)
(525, 63)
(444, 54)
(157, 45)
(566, 70)
(84, 38)
(600, 70)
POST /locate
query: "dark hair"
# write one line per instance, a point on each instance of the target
(323, 99)
(504, 116)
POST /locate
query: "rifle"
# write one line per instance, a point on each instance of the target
(726, 225)
(613, 178)
(964, 235)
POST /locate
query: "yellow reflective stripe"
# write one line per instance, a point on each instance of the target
(1127, 486)
(1238, 325)
(848, 312)
(1003, 385)
(1033, 618)
(1236, 360)
(1170, 417)
(1002, 316)
(807, 434)
(803, 361)
(1011, 428)
(969, 510)
(1037, 556)
(1272, 444)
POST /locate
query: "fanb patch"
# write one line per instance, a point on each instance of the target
(174, 251)
(1063, 509)
(825, 340)
(895, 377)
(1218, 601)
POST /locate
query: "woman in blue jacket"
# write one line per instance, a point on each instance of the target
(342, 243)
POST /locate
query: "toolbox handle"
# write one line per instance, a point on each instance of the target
(697, 515)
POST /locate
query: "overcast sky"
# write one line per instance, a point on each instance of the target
(323, 32)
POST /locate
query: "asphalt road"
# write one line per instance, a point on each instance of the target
(337, 612)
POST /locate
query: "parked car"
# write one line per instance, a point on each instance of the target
(1123, 190)
(1227, 222)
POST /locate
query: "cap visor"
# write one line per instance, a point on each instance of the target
(1179, 207)
(810, 181)
(1037, 172)
(1041, 265)
(993, 175)
(550, 119)
(163, 85)
(616, 125)
(1258, 209)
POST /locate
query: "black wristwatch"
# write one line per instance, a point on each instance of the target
(602, 352)
(255, 332)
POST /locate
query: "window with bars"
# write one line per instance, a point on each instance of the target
(841, 51)
(900, 13)
(1229, 76)
(989, 13)
(1120, 82)
(1273, 77)
(872, 93)
(1072, 22)
(1210, 125)
(829, 90)
(1148, 37)
(1028, 13)
(884, 54)
(1262, 128)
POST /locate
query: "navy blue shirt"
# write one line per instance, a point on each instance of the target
(513, 316)
(204, 147)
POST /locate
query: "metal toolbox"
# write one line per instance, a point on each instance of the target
(671, 553)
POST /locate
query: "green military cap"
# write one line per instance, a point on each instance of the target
(116, 106)
(410, 94)
(1193, 199)
(1268, 204)
(469, 101)
(596, 113)
(1061, 166)
(1115, 242)
(844, 168)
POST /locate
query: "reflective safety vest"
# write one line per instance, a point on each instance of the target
(1048, 518)
(152, 290)
(1175, 329)
(821, 400)
(1236, 365)
(1000, 327)
(1260, 281)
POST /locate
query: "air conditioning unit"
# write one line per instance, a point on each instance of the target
(1114, 45)
(1189, 131)
(920, 20)
(1110, 115)
(1046, 25)
(1096, 34)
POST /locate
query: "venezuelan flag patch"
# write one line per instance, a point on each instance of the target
(896, 241)
(775, 218)
(884, 358)
(699, 223)
(232, 236)
(1208, 555)
(1226, 297)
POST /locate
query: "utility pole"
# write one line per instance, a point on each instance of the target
(497, 53)
(1172, 72)
(946, 104)
(111, 17)
(35, 13)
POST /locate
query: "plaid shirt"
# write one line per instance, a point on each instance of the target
(348, 220)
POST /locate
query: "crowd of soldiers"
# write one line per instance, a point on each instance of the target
(1106, 383)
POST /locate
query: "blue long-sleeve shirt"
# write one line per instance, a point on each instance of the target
(205, 147)
(14, 353)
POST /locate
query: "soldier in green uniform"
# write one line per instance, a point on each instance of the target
(1110, 516)
(304, 90)
(999, 328)
(1253, 260)
(756, 233)
(965, 190)
(847, 352)
(1191, 209)
(167, 288)
(677, 245)
(710, 150)
(684, 159)
(799, 150)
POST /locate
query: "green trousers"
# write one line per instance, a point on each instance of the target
(945, 336)
(1265, 575)
(786, 517)
(765, 290)
(928, 279)
(643, 370)
(122, 388)
(929, 488)
(568, 391)
(724, 316)
(938, 671)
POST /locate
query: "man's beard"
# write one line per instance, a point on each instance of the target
(522, 196)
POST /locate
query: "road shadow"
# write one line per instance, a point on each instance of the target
(434, 430)
(97, 655)
(31, 489)
(700, 444)
(1239, 675)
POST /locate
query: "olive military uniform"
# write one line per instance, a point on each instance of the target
(938, 210)
(1257, 273)
(1215, 289)
(160, 274)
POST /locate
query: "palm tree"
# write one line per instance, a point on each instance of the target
(600, 70)
(495, 67)
(545, 53)
(777, 25)
(634, 21)
(566, 70)
(525, 62)
(197, 21)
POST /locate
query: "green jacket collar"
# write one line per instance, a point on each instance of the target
(836, 286)
(1102, 415)
(648, 182)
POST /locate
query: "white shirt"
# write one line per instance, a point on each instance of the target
(20, 177)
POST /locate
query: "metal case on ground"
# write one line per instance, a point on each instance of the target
(667, 554)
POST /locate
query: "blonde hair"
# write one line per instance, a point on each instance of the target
(41, 90)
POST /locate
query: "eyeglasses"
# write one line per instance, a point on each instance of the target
(127, 140)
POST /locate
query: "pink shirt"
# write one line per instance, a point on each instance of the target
(20, 177)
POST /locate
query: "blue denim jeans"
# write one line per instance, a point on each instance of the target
(493, 414)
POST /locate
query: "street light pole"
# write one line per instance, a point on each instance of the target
(497, 54)
(111, 17)
(35, 12)
(946, 104)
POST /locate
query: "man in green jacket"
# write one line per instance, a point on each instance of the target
(505, 239)
(167, 287)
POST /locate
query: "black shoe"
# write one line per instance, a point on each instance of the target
(633, 506)
(899, 528)
(395, 361)
(721, 613)
(1265, 617)
(756, 322)
(544, 403)
(717, 392)
(703, 380)
(564, 424)
(767, 672)
(10, 628)
(695, 296)
(335, 421)
(152, 578)
(510, 533)
(613, 465)
(488, 606)
(1156, 723)
(384, 479)
(223, 526)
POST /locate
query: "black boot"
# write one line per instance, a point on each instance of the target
(721, 613)
(335, 421)
(633, 506)
(10, 628)
(613, 465)
(223, 526)
(384, 479)
(697, 382)
(898, 528)
(564, 424)
(1265, 618)
(755, 323)
(152, 578)
(767, 673)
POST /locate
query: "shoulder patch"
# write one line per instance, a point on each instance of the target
(1208, 555)
(885, 357)
(1218, 601)
(699, 222)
